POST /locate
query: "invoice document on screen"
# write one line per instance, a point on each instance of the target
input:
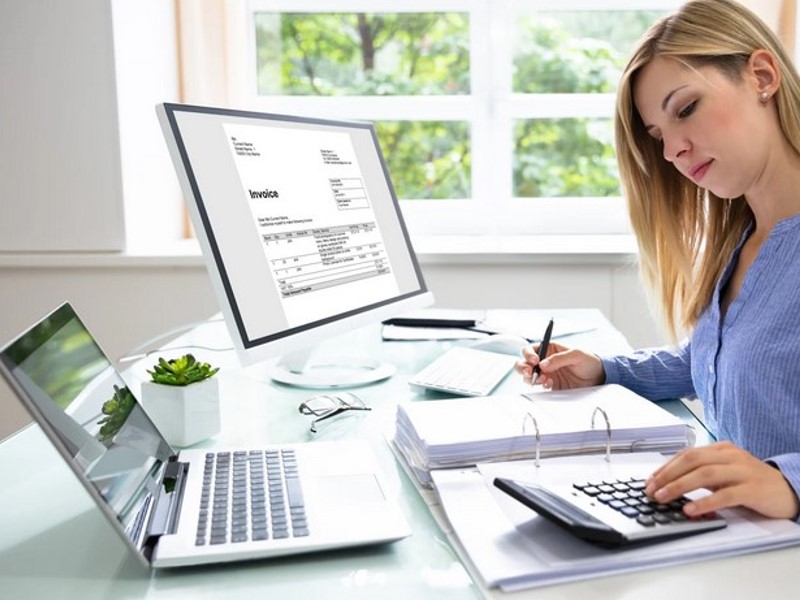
(317, 225)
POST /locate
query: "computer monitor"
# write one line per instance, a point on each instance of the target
(301, 230)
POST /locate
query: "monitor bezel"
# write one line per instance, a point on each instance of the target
(258, 349)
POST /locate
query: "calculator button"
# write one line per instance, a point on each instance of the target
(662, 518)
(645, 520)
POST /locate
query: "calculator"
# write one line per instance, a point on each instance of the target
(610, 512)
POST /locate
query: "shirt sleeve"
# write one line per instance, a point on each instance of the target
(789, 466)
(655, 373)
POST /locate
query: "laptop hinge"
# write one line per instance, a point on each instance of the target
(164, 518)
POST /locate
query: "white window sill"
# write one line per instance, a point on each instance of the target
(455, 249)
(543, 249)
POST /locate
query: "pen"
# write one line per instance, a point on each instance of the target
(542, 350)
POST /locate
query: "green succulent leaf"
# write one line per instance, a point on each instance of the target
(180, 371)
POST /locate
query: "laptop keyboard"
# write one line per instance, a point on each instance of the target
(253, 495)
(465, 372)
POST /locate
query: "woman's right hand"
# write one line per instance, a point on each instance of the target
(563, 368)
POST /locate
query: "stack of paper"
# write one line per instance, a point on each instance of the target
(466, 431)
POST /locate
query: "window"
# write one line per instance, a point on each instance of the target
(494, 115)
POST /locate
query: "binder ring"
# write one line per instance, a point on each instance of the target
(608, 430)
(538, 436)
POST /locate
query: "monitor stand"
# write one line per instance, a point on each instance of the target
(297, 369)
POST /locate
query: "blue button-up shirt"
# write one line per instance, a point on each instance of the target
(745, 366)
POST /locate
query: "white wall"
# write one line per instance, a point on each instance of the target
(60, 143)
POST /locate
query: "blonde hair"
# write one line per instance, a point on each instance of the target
(685, 234)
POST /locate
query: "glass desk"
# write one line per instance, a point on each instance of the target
(55, 544)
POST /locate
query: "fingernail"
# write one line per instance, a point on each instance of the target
(662, 493)
(690, 508)
(545, 363)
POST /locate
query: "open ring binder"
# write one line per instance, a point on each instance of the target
(538, 449)
(564, 422)
(608, 430)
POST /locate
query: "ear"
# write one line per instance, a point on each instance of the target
(763, 67)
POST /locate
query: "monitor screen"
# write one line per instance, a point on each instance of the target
(299, 224)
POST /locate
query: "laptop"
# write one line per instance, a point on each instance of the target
(189, 508)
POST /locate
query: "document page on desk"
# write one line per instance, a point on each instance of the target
(505, 322)
(532, 325)
(401, 333)
(510, 547)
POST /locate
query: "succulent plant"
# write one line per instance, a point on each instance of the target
(184, 370)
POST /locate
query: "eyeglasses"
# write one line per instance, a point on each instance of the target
(326, 406)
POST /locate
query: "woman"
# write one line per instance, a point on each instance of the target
(708, 144)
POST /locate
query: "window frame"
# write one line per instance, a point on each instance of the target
(490, 109)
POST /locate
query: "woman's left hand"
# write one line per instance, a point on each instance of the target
(734, 477)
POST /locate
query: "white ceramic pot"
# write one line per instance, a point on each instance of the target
(186, 414)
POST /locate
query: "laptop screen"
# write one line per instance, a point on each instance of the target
(77, 396)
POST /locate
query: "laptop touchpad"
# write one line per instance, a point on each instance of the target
(348, 489)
